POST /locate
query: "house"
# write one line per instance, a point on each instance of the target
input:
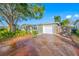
(48, 28)
(77, 25)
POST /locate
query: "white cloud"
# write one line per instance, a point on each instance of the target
(69, 16)
(76, 15)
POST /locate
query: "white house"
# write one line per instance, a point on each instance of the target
(49, 28)
(77, 25)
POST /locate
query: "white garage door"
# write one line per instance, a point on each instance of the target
(48, 29)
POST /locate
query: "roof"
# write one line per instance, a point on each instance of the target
(44, 24)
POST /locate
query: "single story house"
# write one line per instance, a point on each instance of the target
(77, 25)
(49, 28)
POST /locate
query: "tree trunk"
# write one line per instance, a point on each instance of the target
(12, 27)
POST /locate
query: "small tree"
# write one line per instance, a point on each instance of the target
(66, 27)
(57, 18)
(65, 22)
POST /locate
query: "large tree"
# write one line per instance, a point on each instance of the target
(14, 12)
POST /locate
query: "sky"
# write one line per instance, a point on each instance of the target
(65, 10)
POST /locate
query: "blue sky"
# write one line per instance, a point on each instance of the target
(65, 10)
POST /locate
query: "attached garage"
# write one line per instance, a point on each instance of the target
(48, 29)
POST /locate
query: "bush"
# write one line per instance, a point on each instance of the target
(5, 35)
(75, 32)
(34, 33)
(20, 33)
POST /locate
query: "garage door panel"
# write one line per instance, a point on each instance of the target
(48, 29)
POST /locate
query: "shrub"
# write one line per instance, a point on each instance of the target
(20, 33)
(75, 32)
(34, 33)
(5, 35)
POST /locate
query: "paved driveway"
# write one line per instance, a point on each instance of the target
(43, 45)
(52, 45)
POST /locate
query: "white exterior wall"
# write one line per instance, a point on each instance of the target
(48, 29)
(77, 25)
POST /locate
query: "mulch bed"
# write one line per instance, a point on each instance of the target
(12, 43)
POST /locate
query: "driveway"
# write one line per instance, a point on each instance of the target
(52, 45)
(43, 45)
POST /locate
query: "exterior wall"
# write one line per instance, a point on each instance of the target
(77, 25)
(48, 29)
(45, 28)
(40, 29)
(57, 29)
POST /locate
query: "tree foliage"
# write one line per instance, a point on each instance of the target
(65, 22)
(57, 18)
(14, 12)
